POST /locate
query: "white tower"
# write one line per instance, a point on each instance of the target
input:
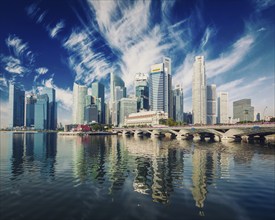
(199, 91)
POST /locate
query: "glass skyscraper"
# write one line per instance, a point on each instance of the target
(41, 108)
(79, 101)
(142, 91)
(178, 104)
(98, 91)
(211, 104)
(29, 110)
(126, 107)
(118, 91)
(17, 106)
(160, 89)
(222, 108)
(199, 91)
(52, 108)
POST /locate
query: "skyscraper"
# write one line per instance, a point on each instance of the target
(178, 103)
(41, 108)
(98, 91)
(79, 96)
(52, 108)
(118, 91)
(168, 81)
(199, 91)
(211, 104)
(126, 107)
(17, 105)
(243, 110)
(29, 110)
(160, 87)
(222, 108)
(142, 91)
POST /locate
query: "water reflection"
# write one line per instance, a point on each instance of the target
(90, 173)
(30, 149)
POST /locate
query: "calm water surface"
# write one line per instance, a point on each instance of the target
(45, 176)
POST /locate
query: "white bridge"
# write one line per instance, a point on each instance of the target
(246, 132)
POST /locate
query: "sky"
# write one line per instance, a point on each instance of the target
(56, 43)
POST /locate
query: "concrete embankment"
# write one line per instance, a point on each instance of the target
(84, 133)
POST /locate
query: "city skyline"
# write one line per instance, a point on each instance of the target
(65, 43)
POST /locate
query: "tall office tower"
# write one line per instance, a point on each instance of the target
(118, 91)
(79, 101)
(178, 103)
(199, 91)
(107, 114)
(98, 91)
(243, 110)
(52, 108)
(90, 114)
(126, 107)
(119, 94)
(30, 101)
(160, 87)
(168, 88)
(211, 104)
(17, 106)
(41, 108)
(222, 108)
(142, 91)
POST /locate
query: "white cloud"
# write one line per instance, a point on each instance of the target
(41, 70)
(13, 65)
(56, 29)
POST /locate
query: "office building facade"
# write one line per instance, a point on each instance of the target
(90, 114)
(243, 110)
(30, 101)
(178, 104)
(199, 91)
(142, 91)
(98, 92)
(126, 107)
(17, 106)
(222, 108)
(52, 108)
(211, 104)
(79, 101)
(41, 112)
(118, 91)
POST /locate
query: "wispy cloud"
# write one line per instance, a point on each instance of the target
(56, 29)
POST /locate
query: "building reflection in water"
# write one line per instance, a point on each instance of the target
(28, 149)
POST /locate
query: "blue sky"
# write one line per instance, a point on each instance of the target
(54, 43)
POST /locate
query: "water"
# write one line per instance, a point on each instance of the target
(45, 176)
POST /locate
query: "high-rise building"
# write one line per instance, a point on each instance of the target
(119, 94)
(199, 91)
(243, 110)
(222, 108)
(168, 79)
(142, 91)
(41, 112)
(79, 101)
(160, 82)
(17, 106)
(98, 91)
(90, 114)
(30, 101)
(211, 104)
(52, 108)
(178, 104)
(118, 91)
(126, 107)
